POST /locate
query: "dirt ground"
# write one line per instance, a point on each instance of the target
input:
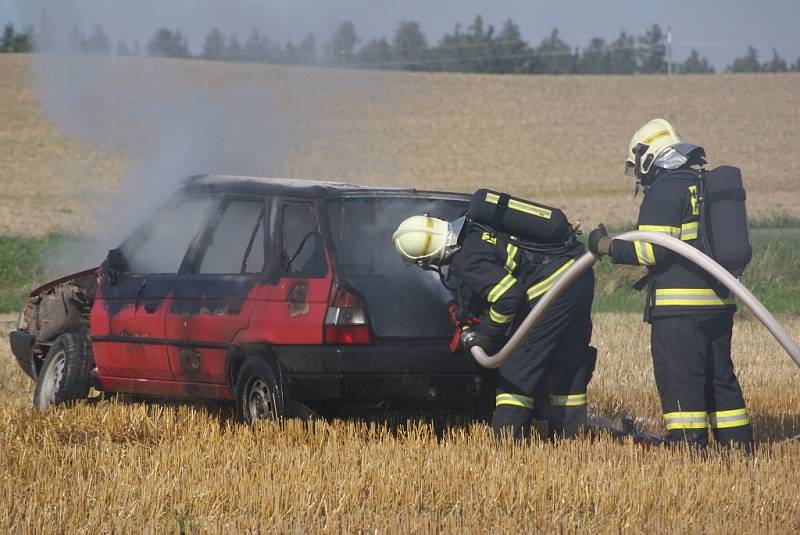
(560, 140)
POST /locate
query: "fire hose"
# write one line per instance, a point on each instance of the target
(586, 261)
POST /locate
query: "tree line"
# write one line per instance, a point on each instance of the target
(476, 48)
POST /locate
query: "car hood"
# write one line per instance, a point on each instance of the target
(44, 287)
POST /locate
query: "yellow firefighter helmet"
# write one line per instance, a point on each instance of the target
(425, 240)
(647, 144)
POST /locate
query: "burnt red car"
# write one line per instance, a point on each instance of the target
(285, 296)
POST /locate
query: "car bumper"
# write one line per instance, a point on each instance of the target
(22, 348)
(420, 375)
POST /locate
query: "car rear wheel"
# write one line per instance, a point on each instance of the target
(258, 393)
(64, 376)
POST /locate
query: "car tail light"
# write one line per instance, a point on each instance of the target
(346, 319)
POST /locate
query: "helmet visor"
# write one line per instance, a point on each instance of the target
(670, 158)
(455, 228)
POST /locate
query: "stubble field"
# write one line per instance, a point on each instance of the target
(560, 140)
(117, 466)
(130, 466)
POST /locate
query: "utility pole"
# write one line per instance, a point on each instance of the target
(669, 51)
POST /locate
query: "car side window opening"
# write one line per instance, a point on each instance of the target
(236, 244)
(302, 249)
(159, 246)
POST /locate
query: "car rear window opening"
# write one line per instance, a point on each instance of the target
(402, 301)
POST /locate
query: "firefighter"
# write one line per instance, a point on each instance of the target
(546, 378)
(690, 313)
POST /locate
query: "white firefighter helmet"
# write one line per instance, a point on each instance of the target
(658, 144)
(426, 240)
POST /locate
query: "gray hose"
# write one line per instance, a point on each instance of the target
(586, 261)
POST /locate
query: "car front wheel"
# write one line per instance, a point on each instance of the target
(64, 376)
(258, 393)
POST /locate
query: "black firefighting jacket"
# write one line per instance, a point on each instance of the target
(505, 278)
(676, 285)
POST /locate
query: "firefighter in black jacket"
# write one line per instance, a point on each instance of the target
(690, 312)
(547, 377)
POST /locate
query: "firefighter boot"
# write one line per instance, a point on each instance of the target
(512, 420)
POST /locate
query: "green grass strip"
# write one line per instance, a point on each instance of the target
(773, 275)
(22, 266)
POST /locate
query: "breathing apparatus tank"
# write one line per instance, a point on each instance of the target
(525, 220)
(723, 218)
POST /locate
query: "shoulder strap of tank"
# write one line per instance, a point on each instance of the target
(687, 175)
(502, 206)
(702, 230)
(551, 249)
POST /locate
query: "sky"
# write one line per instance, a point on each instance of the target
(719, 29)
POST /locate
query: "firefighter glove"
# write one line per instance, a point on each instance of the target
(599, 242)
(471, 338)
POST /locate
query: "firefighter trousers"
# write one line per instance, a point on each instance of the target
(546, 377)
(696, 380)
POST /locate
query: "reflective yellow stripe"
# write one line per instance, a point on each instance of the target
(693, 200)
(644, 253)
(686, 420)
(570, 400)
(489, 238)
(428, 237)
(675, 232)
(652, 137)
(732, 418)
(518, 400)
(539, 288)
(499, 318)
(520, 206)
(689, 231)
(501, 288)
(690, 297)
(511, 252)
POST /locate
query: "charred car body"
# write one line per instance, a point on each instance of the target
(282, 295)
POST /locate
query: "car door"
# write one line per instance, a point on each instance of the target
(129, 316)
(291, 309)
(213, 296)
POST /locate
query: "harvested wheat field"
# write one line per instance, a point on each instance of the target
(560, 140)
(131, 466)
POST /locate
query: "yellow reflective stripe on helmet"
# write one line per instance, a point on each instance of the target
(644, 253)
(675, 232)
(511, 253)
(517, 400)
(428, 236)
(657, 135)
(541, 287)
(501, 288)
(520, 206)
(686, 420)
(689, 231)
(569, 400)
(732, 418)
(497, 317)
(690, 297)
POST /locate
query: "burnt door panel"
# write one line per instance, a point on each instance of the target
(213, 302)
(134, 346)
(205, 314)
(136, 302)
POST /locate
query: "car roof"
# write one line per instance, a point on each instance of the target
(303, 187)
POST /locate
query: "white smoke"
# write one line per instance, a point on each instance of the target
(160, 116)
